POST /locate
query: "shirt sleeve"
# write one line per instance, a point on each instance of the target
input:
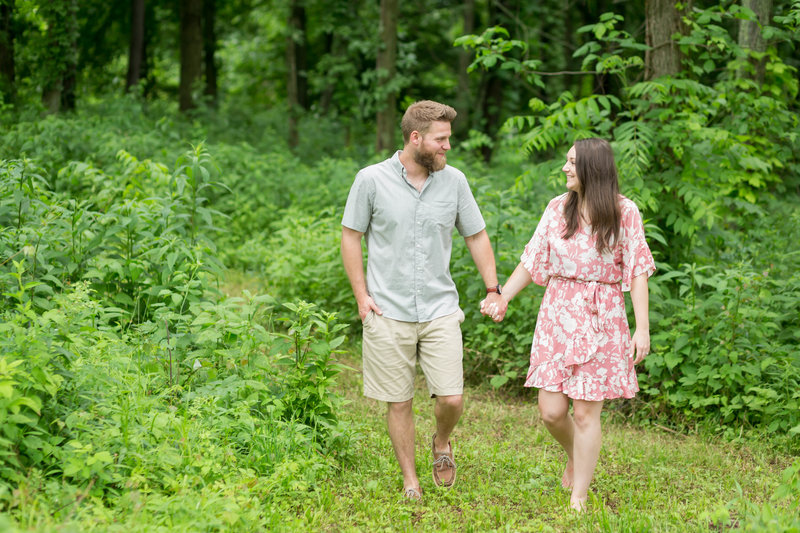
(536, 257)
(469, 220)
(636, 256)
(360, 200)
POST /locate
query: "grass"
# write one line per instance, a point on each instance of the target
(647, 479)
(510, 470)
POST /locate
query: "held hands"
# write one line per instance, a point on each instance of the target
(640, 345)
(494, 306)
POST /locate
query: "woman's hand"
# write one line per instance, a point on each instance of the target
(640, 345)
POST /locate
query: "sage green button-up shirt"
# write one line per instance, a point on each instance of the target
(409, 236)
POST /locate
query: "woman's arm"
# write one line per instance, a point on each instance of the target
(640, 343)
(519, 279)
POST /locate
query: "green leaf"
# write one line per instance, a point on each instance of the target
(498, 381)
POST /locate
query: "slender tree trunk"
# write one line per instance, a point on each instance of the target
(464, 101)
(70, 83)
(386, 67)
(750, 35)
(136, 50)
(336, 49)
(210, 48)
(492, 106)
(7, 67)
(295, 62)
(493, 93)
(191, 46)
(146, 78)
(662, 20)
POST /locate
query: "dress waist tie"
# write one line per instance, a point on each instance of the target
(585, 342)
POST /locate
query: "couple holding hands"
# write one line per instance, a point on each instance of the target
(588, 247)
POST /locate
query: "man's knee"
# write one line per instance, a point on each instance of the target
(451, 403)
(400, 407)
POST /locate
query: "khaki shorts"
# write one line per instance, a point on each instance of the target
(391, 349)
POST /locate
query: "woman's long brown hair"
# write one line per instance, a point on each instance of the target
(597, 174)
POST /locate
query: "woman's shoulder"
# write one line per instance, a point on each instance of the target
(627, 205)
(558, 201)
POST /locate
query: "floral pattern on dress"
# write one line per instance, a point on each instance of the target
(582, 339)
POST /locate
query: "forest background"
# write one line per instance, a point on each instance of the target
(175, 317)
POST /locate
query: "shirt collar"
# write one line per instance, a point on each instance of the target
(397, 165)
(400, 169)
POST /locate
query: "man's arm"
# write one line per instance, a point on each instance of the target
(354, 267)
(480, 247)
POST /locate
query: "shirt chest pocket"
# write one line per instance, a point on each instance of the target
(441, 214)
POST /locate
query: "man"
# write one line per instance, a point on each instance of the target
(407, 207)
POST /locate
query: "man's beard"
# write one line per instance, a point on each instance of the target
(427, 160)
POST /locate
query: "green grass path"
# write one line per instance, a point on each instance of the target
(510, 470)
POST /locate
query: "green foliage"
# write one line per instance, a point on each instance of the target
(701, 153)
(720, 350)
(780, 513)
(689, 148)
(123, 372)
(49, 38)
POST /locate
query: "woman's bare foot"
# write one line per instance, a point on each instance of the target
(566, 479)
(578, 504)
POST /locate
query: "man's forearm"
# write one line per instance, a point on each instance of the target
(354, 262)
(480, 247)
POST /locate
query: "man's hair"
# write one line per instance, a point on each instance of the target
(420, 115)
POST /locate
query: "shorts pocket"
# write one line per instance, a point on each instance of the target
(369, 318)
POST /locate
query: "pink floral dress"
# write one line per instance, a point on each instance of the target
(581, 342)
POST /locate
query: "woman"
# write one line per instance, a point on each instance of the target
(588, 248)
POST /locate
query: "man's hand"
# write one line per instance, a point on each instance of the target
(495, 306)
(366, 305)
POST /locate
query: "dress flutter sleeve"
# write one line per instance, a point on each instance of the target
(636, 256)
(536, 257)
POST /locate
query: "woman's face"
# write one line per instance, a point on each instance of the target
(573, 184)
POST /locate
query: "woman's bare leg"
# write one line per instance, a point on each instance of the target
(586, 448)
(554, 409)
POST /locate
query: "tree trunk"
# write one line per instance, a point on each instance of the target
(494, 81)
(750, 35)
(492, 107)
(69, 83)
(386, 67)
(136, 50)
(146, 78)
(7, 70)
(210, 48)
(336, 48)
(295, 62)
(662, 20)
(191, 46)
(57, 70)
(464, 101)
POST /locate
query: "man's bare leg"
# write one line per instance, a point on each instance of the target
(448, 410)
(400, 420)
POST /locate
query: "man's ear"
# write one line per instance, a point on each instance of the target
(415, 137)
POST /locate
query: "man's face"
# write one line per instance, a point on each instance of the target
(431, 152)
